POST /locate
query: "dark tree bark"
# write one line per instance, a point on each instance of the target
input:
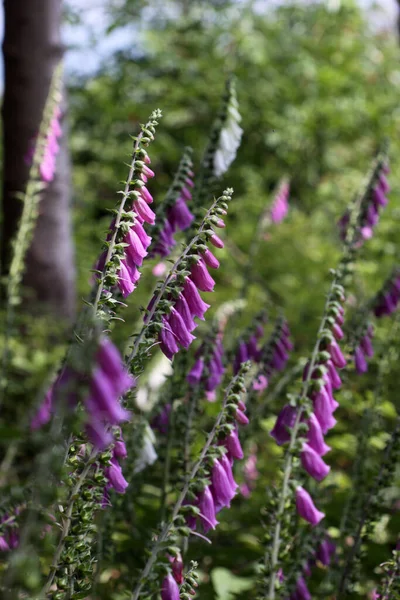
(32, 49)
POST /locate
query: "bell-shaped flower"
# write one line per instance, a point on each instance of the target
(201, 277)
(207, 510)
(170, 589)
(306, 508)
(196, 305)
(313, 463)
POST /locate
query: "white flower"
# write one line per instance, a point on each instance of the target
(230, 137)
(147, 455)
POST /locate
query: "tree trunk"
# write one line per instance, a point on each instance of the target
(32, 49)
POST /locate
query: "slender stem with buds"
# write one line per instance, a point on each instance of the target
(167, 528)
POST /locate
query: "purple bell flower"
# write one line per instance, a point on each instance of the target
(359, 360)
(207, 510)
(313, 463)
(284, 423)
(178, 328)
(170, 589)
(306, 508)
(196, 372)
(233, 445)
(315, 436)
(115, 477)
(222, 489)
(196, 305)
(201, 277)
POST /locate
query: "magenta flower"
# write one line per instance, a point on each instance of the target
(359, 360)
(207, 510)
(170, 589)
(201, 277)
(323, 410)
(315, 436)
(210, 259)
(222, 489)
(280, 205)
(336, 355)
(313, 463)
(196, 305)
(115, 477)
(233, 445)
(196, 372)
(283, 425)
(305, 507)
(301, 592)
(179, 329)
(325, 551)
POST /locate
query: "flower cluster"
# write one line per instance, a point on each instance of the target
(108, 381)
(388, 298)
(324, 379)
(208, 368)
(374, 200)
(183, 301)
(222, 488)
(174, 215)
(280, 204)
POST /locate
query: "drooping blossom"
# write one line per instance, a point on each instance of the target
(170, 589)
(176, 563)
(280, 204)
(313, 463)
(301, 591)
(387, 299)
(306, 508)
(325, 551)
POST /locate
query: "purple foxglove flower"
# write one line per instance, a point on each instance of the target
(383, 183)
(147, 197)
(214, 378)
(227, 465)
(233, 445)
(179, 215)
(125, 283)
(216, 241)
(135, 250)
(252, 349)
(43, 414)
(328, 389)
(301, 592)
(201, 277)
(4, 547)
(306, 508)
(325, 552)
(183, 309)
(241, 357)
(222, 489)
(97, 433)
(167, 340)
(336, 382)
(313, 463)
(366, 346)
(359, 360)
(196, 372)
(119, 450)
(142, 235)
(323, 411)
(185, 338)
(210, 259)
(379, 197)
(170, 589)
(115, 477)
(207, 510)
(260, 383)
(144, 211)
(336, 355)
(177, 568)
(109, 360)
(102, 402)
(241, 417)
(196, 305)
(315, 437)
(337, 331)
(283, 425)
